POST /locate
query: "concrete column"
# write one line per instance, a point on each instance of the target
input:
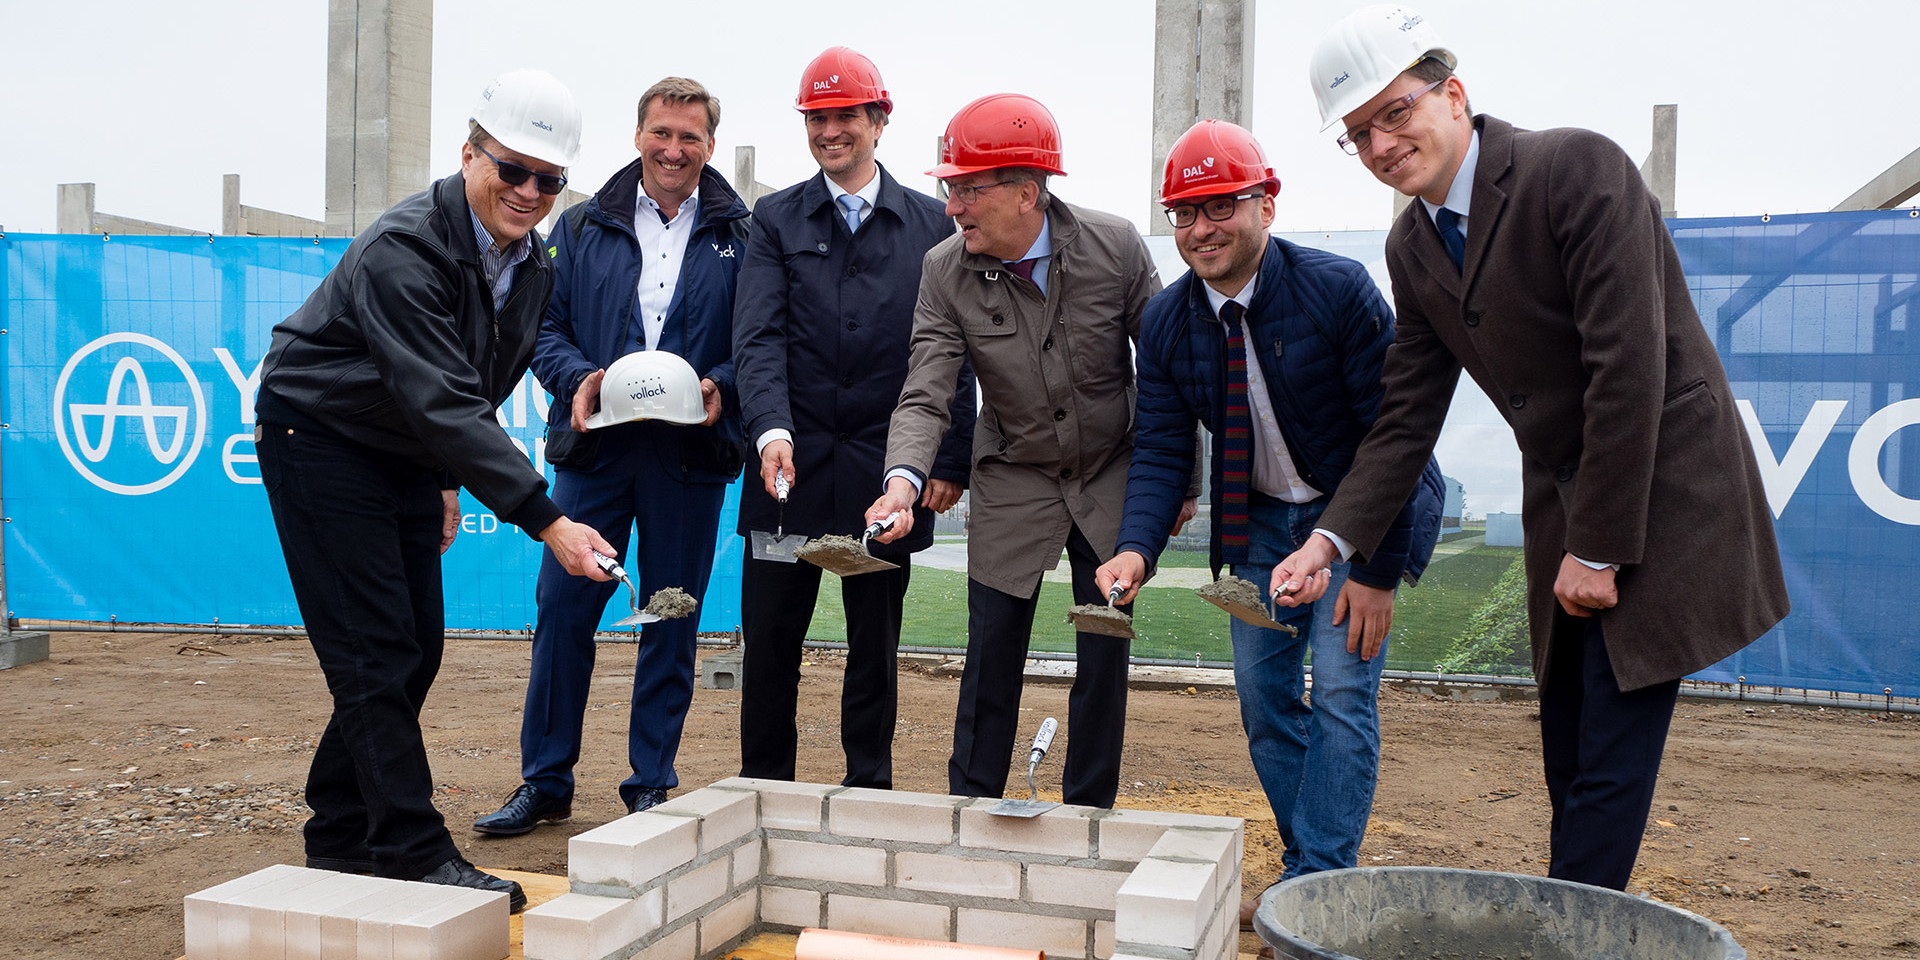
(232, 224)
(379, 88)
(1659, 169)
(74, 208)
(1202, 69)
(1893, 187)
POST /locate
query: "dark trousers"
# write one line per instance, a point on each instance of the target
(677, 522)
(999, 627)
(776, 604)
(361, 534)
(1602, 749)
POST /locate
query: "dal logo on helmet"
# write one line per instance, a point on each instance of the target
(161, 414)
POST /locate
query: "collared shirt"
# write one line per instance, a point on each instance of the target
(869, 196)
(1460, 192)
(498, 264)
(1272, 471)
(1042, 252)
(663, 247)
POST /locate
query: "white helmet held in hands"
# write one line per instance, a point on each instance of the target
(649, 385)
(1363, 54)
(533, 114)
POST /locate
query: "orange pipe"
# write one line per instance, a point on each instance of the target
(815, 944)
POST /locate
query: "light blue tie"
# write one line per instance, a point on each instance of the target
(852, 204)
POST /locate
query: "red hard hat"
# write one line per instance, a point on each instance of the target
(999, 130)
(841, 77)
(1215, 157)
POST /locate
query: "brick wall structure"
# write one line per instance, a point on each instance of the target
(694, 876)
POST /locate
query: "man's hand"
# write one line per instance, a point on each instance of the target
(1582, 590)
(1188, 508)
(776, 458)
(1307, 571)
(941, 495)
(574, 544)
(710, 399)
(897, 500)
(1127, 569)
(1372, 616)
(450, 518)
(586, 399)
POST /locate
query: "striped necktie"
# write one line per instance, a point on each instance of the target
(1236, 443)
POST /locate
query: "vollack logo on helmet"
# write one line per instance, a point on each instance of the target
(1412, 22)
(1338, 81)
(548, 127)
(649, 388)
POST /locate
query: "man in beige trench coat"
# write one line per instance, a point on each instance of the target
(1044, 298)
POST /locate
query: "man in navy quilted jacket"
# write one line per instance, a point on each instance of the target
(1276, 349)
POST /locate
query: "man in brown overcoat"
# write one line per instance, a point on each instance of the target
(1538, 263)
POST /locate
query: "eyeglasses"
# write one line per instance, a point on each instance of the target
(967, 195)
(1216, 208)
(1391, 117)
(513, 175)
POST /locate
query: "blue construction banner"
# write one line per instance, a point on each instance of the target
(131, 489)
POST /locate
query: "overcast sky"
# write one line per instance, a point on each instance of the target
(1784, 107)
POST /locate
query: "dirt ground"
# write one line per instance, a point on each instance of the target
(137, 768)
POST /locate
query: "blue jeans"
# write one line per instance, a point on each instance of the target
(1316, 763)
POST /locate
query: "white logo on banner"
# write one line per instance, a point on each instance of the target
(165, 427)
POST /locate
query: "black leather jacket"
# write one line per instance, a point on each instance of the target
(400, 350)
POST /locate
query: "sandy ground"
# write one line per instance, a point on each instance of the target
(136, 769)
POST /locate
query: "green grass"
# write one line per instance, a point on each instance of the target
(1174, 623)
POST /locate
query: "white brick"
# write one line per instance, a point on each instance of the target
(942, 873)
(1057, 936)
(788, 806)
(375, 933)
(682, 944)
(1130, 834)
(889, 815)
(726, 922)
(1103, 938)
(824, 861)
(697, 890)
(1062, 831)
(1202, 846)
(633, 850)
(252, 922)
(469, 926)
(1165, 903)
(746, 863)
(302, 921)
(926, 921)
(340, 925)
(203, 914)
(575, 926)
(1074, 886)
(1223, 937)
(790, 907)
(724, 815)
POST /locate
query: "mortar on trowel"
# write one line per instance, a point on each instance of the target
(846, 556)
(1105, 620)
(1243, 600)
(665, 604)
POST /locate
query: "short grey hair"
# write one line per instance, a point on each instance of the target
(1035, 176)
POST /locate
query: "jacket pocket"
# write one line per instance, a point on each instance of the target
(572, 450)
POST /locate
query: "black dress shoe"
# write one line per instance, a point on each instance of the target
(459, 873)
(523, 811)
(647, 799)
(340, 864)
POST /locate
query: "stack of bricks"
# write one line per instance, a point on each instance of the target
(692, 877)
(292, 913)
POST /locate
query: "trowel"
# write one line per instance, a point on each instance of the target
(1033, 806)
(842, 556)
(778, 546)
(1107, 621)
(614, 570)
(1256, 613)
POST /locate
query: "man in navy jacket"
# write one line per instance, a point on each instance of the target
(1309, 330)
(647, 264)
(821, 323)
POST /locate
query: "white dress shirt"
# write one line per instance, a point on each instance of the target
(1272, 470)
(663, 247)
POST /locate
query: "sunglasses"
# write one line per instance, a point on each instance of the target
(513, 175)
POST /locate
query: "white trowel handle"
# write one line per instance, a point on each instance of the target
(611, 566)
(879, 527)
(781, 486)
(1042, 740)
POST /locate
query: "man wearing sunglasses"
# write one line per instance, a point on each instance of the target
(1538, 263)
(1276, 349)
(1044, 299)
(647, 263)
(376, 403)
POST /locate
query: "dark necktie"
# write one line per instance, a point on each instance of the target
(1236, 443)
(1023, 268)
(1448, 223)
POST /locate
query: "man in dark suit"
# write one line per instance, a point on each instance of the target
(1538, 263)
(822, 316)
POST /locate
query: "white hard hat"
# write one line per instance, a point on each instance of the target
(1363, 54)
(649, 385)
(531, 113)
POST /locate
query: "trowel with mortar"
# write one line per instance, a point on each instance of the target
(779, 545)
(1107, 621)
(1242, 599)
(1033, 806)
(614, 570)
(843, 556)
